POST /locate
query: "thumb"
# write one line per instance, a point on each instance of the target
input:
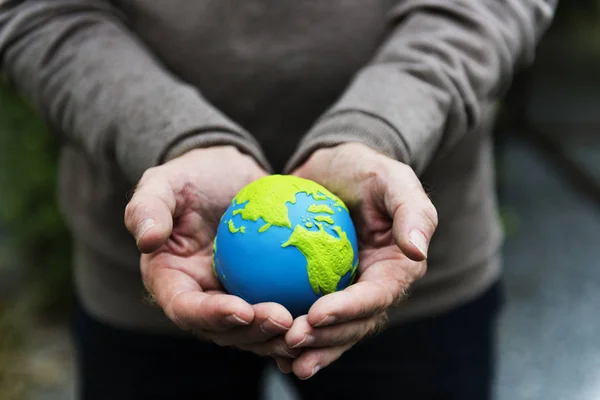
(149, 214)
(414, 215)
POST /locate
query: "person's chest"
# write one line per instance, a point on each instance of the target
(270, 65)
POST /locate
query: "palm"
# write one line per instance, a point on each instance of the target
(394, 220)
(174, 215)
(188, 251)
(200, 200)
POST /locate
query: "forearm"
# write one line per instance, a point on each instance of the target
(97, 85)
(425, 87)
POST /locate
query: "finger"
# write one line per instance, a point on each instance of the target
(379, 287)
(270, 320)
(284, 364)
(149, 213)
(273, 348)
(415, 218)
(312, 361)
(184, 303)
(302, 334)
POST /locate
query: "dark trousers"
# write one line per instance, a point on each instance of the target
(450, 357)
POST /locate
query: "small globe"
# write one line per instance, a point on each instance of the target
(287, 240)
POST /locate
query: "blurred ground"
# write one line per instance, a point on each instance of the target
(549, 343)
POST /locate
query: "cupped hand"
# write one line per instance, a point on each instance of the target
(394, 221)
(173, 215)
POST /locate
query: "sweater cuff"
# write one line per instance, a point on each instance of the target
(160, 117)
(214, 137)
(351, 126)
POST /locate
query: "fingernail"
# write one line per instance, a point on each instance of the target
(418, 239)
(282, 351)
(270, 327)
(328, 320)
(235, 320)
(307, 340)
(314, 371)
(281, 368)
(143, 227)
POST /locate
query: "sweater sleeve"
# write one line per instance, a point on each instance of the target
(426, 84)
(96, 84)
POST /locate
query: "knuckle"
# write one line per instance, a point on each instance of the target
(130, 211)
(177, 304)
(372, 167)
(328, 340)
(283, 350)
(148, 174)
(176, 309)
(129, 194)
(421, 270)
(390, 292)
(316, 357)
(380, 172)
(405, 169)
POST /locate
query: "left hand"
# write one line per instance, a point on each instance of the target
(394, 221)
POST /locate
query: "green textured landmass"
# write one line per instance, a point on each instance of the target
(233, 229)
(214, 264)
(264, 228)
(320, 208)
(328, 258)
(324, 218)
(267, 198)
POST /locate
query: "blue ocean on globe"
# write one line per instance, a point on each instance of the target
(251, 261)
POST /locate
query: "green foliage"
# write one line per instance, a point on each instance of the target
(36, 242)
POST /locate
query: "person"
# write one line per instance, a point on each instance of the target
(389, 104)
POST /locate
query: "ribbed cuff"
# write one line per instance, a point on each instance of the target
(208, 138)
(351, 126)
(414, 110)
(148, 129)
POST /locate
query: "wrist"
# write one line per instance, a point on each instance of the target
(349, 155)
(351, 127)
(224, 158)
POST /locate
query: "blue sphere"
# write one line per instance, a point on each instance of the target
(287, 240)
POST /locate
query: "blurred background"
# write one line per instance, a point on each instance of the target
(548, 179)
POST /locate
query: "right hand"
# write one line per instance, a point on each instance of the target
(173, 215)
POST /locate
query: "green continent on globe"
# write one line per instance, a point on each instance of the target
(321, 218)
(233, 229)
(214, 264)
(328, 258)
(320, 208)
(267, 198)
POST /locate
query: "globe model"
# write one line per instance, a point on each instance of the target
(287, 240)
